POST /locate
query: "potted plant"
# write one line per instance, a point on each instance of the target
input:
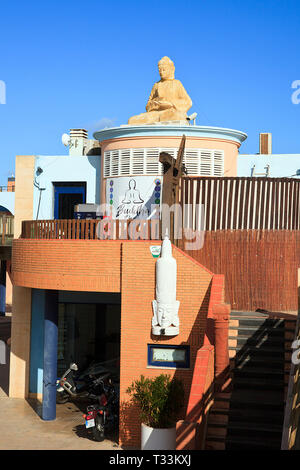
(160, 399)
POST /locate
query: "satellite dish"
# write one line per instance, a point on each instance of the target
(66, 139)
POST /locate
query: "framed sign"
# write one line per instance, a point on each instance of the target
(161, 355)
(134, 197)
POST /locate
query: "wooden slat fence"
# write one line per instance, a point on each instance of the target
(235, 203)
(260, 266)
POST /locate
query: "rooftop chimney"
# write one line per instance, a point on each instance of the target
(78, 141)
(79, 133)
(265, 143)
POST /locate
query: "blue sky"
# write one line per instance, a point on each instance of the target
(84, 64)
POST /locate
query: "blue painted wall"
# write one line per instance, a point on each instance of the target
(64, 169)
(37, 341)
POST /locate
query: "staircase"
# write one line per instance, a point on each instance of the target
(250, 415)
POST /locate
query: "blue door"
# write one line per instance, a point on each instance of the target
(66, 197)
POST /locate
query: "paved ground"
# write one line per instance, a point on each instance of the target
(21, 428)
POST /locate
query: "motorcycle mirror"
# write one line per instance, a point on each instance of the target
(73, 366)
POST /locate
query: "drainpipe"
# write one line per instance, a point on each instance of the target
(50, 355)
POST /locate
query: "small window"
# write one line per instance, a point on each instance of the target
(177, 356)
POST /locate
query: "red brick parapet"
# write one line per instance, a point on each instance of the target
(190, 432)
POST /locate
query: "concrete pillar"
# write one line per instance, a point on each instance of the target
(20, 343)
(50, 355)
(221, 314)
(2, 287)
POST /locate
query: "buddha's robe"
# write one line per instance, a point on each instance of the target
(168, 101)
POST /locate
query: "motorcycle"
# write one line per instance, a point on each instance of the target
(75, 385)
(102, 417)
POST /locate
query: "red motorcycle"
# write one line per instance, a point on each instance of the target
(103, 416)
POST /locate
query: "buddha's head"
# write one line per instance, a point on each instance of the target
(166, 68)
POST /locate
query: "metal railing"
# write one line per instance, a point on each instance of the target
(6, 229)
(9, 189)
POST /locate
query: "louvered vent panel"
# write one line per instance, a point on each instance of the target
(125, 162)
(115, 163)
(218, 163)
(172, 152)
(106, 164)
(206, 163)
(152, 161)
(191, 161)
(142, 161)
(138, 161)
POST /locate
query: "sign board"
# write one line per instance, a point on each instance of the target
(136, 197)
(155, 250)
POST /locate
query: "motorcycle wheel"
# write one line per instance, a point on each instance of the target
(98, 430)
(62, 397)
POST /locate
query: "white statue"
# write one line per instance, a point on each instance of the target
(165, 319)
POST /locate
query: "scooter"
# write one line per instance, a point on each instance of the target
(103, 416)
(80, 385)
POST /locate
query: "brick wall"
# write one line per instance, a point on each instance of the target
(81, 265)
(128, 267)
(138, 291)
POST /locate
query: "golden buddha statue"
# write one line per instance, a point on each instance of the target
(168, 100)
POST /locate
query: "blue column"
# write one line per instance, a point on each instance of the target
(2, 287)
(50, 355)
(37, 341)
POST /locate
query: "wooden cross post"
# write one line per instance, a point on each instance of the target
(173, 170)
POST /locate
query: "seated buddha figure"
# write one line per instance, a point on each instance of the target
(168, 100)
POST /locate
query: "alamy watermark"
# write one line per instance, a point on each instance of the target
(181, 223)
(296, 93)
(2, 92)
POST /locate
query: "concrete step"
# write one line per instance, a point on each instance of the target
(257, 323)
(259, 362)
(266, 416)
(254, 372)
(266, 340)
(255, 383)
(256, 350)
(215, 443)
(242, 443)
(216, 430)
(254, 429)
(212, 444)
(249, 331)
(255, 399)
(239, 313)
